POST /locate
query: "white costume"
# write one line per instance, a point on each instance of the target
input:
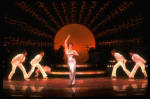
(17, 61)
(121, 61)
(35, 63)
(139, 62)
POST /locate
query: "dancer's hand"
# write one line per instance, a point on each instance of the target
(69, 36)
(75, 53)
(124, 61)
(144, 62)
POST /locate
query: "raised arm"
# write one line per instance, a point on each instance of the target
(66, 48)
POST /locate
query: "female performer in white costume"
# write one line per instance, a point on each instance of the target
(71, 61)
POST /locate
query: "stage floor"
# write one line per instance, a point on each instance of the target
(84, 87)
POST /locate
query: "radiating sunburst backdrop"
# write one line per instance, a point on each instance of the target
(38, 23)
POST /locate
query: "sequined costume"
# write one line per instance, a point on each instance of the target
(72, 68)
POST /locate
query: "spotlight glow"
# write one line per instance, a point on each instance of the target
(80, 36)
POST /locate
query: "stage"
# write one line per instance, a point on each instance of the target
(84, 87)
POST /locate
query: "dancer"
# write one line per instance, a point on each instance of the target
(139, 61)
(71, 61)
(17, 61)
(35, 63)
(121, 61)
(45, 68)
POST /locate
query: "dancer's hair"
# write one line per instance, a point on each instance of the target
(70, 43)
(24, 51)
(113, 51)
(41, 52)
(131, 51)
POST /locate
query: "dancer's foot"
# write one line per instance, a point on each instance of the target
(113, 76)
(45, 78)
(70, 85)
(9, 80)
(145, 77)
(131, 77)
(26, 79)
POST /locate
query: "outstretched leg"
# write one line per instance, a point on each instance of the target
(31, 71)
(133, 71)
(114, 69)
(143, 70)
(12, 71)
(125, 69)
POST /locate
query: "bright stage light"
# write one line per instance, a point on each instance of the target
(146, 65)
(80, 36)
(129, 61)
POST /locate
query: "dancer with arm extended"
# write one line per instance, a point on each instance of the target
(71, 61)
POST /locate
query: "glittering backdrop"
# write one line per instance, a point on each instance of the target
(90, 23)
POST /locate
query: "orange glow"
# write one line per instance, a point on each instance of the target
(80, 36)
